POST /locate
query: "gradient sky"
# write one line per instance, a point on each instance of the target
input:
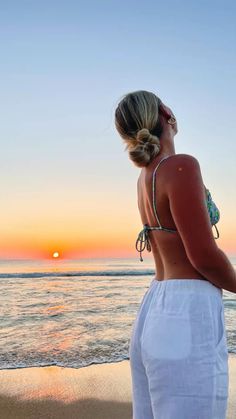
(66, 182)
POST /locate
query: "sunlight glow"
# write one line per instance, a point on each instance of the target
(55, 255)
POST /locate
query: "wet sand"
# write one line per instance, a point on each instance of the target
(98, 391)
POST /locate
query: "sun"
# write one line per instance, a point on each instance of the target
(55, 255)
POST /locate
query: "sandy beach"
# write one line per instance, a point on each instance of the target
(98, 391)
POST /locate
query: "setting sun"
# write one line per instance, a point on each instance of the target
(55, 255)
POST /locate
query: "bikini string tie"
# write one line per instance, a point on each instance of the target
(217, 232)
(143, 242)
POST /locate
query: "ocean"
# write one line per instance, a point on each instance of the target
(74, 313)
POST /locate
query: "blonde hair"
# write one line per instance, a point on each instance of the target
(136, 120)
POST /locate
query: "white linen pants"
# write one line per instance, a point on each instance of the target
(178, 352)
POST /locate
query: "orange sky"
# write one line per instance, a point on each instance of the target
(91, 235)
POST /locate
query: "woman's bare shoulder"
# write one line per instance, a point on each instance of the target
(182, 158)
(178, 163)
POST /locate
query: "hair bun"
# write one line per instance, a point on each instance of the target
(144, 136)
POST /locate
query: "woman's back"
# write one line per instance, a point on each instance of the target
(168, 250)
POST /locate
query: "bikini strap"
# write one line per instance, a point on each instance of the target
(153, 189)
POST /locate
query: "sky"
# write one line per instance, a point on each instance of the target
(67, 183)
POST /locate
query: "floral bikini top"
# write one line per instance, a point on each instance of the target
(142, 241)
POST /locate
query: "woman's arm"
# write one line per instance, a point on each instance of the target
(186, 193)
(219, 270)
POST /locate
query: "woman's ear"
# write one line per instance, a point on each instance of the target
(166, 112)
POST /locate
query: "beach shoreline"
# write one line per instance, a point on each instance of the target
(101, 391)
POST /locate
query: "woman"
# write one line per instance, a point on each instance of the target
(178, 349)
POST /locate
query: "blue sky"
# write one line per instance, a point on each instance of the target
(64, 66)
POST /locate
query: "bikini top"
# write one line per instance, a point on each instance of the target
(143, 242)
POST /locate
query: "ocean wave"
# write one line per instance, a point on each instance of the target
(77, 273)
